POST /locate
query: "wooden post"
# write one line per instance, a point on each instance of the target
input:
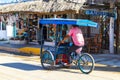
(117, 32)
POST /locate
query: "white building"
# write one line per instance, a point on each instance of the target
(6, 27)
(3, 32)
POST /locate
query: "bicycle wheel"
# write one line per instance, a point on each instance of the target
(47, 60)
(86, 63)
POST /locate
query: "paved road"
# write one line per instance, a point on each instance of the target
(16, 67)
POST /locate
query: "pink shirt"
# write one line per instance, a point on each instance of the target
(77, 36)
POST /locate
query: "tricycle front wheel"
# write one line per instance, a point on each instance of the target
(47, 60)
(86, 63)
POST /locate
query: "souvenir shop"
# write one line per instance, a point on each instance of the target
(18, 26)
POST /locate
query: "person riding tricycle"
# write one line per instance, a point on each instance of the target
(49, 59)
(76, 35)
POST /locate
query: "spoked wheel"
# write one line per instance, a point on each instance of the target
(47, 60)
(86, 63)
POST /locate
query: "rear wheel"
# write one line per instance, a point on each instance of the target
(47, 60)
(86, 63)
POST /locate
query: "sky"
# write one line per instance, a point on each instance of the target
(6, 1)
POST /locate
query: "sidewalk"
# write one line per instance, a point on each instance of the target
(106, 59)
(22, 48)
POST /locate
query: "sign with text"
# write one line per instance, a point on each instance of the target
(98, 13)
(76, 1)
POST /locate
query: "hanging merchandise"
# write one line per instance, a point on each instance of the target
(9, 20)
(2, 18)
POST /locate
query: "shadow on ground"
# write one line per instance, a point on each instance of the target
(22, 66)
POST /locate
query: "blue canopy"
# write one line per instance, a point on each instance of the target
(80, 22)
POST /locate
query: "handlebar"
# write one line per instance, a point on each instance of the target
(66, 44)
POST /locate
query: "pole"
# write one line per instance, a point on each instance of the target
(117, 33)
(14, 29)
(111, 29)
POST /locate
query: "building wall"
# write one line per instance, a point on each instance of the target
(9, 31)
(3, 34)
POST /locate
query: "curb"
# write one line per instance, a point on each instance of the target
(20, 51)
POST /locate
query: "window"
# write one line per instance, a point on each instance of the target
(0, 25)
(3, 26)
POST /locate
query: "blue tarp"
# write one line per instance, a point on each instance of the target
(80, 22)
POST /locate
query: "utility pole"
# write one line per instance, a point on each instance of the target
(111, 28)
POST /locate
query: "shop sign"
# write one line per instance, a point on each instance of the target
(76, 1)
(98, 13)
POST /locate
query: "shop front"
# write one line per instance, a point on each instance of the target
(23, 17)
(26, 27)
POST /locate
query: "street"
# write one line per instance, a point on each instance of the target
(17, 67)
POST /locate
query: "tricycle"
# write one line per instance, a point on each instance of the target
(49, 57)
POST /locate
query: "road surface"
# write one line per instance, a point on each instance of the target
(16, 67)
